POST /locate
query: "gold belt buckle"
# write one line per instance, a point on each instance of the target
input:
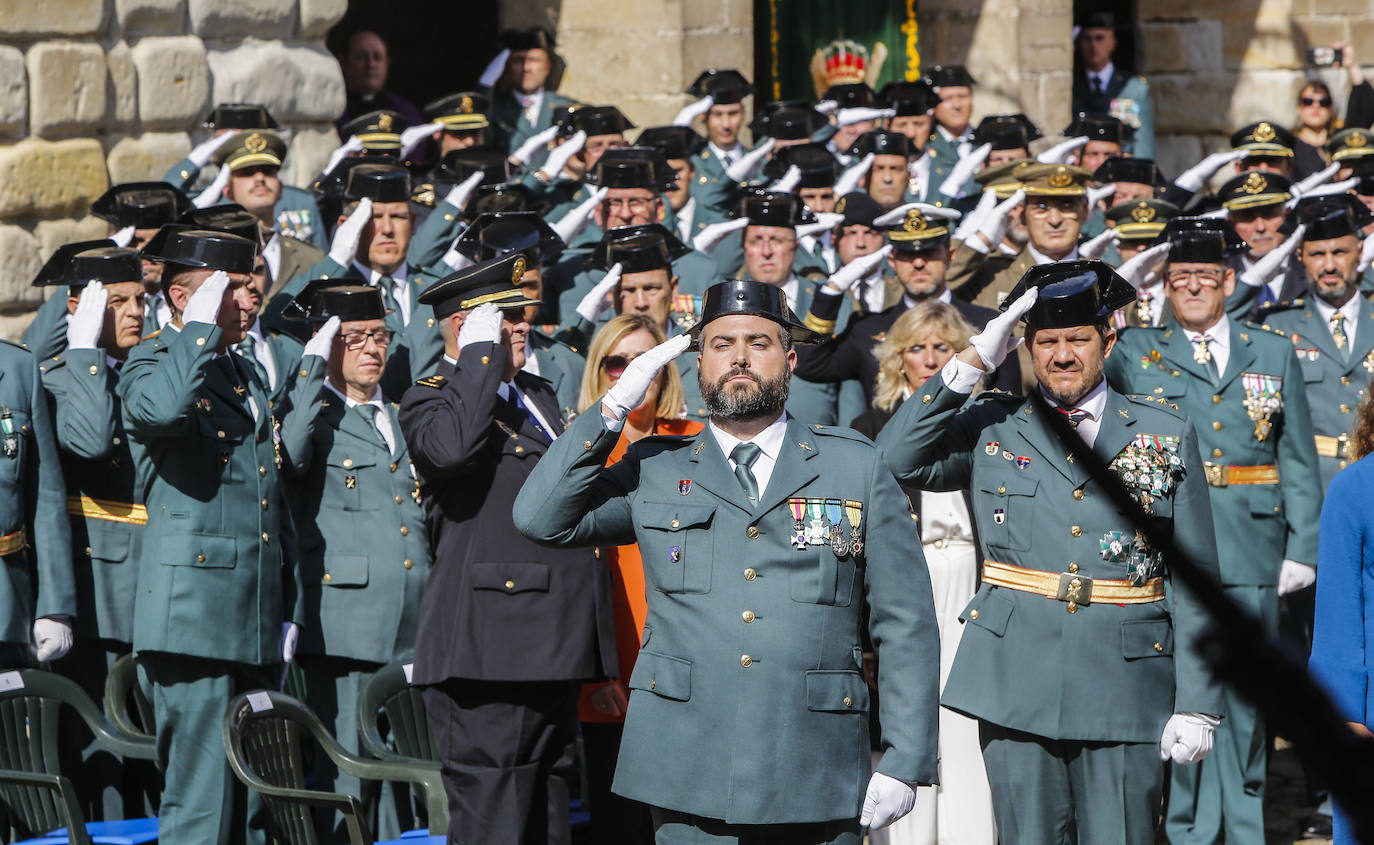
(1216, 473)
(1075, 588)
(1343, 447)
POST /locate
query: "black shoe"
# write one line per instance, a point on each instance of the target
(1317, 826)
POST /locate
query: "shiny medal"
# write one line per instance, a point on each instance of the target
(798, 507)
(855, 511)
(11, 439)
(816, 533)
(684, 486)
(991, 447)
(834, 513)
(675, 554)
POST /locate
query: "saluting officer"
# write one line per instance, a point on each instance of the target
(217, 601)
(1243, 390)
(1075, 741)
(364, 549)
(762, 538)
(508, 631)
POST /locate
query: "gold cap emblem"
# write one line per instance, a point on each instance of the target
(465, 106)
(384, 122)
(1060, 178)
(915, 221)
(1254, 183)
(518, 271)
(1356, 139)
(1264, 133)
(1143, 213)
(255, 143)
(839, 206)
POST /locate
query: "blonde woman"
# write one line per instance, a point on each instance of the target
(602, 706)
(959, 811)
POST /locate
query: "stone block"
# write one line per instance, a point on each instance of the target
(1168, 10)
(50, 178)
(122, 108)
(1322, 30)
(52, 234)
(1176, 153)
(1361, 30)
(1203, 45)
(297, 83)
(1270, 44)
(19, 263)
(31, 18)
(319, 16)
(12, 327)
(1339, 8)
(1162, 47)
(1192, 103)
(137, 158)
(1264, 94)
(258, 18)
(151, 17)
(66, 87)
(308, 153)
(173, 80)
(14, 92)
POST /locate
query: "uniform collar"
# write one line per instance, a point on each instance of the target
(769, 440)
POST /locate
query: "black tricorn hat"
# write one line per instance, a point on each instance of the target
(600, 257)
(503, 233)
(457, 165)
(950, 76)
(786, 120)
(600, 120)
(347, 299)
(143, 205)
(379, 183)
(1072, 293)
(672, 141)
(1201, 239)
(774, 208)
(459, 112)
(496, 280)
(527, 38)
(850, 95)
(230, 217)
(1096, 20)
(57, 270)
(633, 167)
(211, 249)
(335, 182)
(819, 167)
(740, 296)
(724, 86)
(240, 116)
(639, 253)
(909, 98)
(1006, 132)
(882, 142)
(506, 196)
(1332, 216)
(1099, 127)
(857, 207)
(1142, 171)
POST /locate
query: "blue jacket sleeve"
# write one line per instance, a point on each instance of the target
(1340, 656)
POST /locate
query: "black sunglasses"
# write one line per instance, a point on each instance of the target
(1324, 102)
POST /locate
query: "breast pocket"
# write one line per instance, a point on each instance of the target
(343, 484)
(818, 576)
(675, 545)
(1007, 522)
(219, 437)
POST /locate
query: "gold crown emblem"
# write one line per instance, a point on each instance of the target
(384, 123)
(465, 106)
(915, 221)
(1356, 139)
(518, 271)
(1060, 178)
(1143, 213)
(1264, 133)
(255, 143)
(1254, 183)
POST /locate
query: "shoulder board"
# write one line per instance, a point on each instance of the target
(435, 381)
(1264, 327)
(667, 439)
(1002, 395)
(1274, 308)
(1142, 80)
(839, 431)
(150, 336)
(1159, 403)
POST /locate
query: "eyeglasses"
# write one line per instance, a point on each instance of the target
(614, 365)
(1041, 208)
(1205, 278)
(1324, 102)
(353, 341)
(636, 206)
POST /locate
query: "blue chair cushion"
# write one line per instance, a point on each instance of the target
(123, 832)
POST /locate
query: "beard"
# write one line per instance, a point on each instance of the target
(739, 404)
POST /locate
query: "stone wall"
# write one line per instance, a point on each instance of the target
(95, 92)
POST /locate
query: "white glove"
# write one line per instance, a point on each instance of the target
(203, 152)
(1098, 194)
(852, 175)
(1141, 271)
(898, 214)
(560, 155)
(415, 135)
(959, 174)
(710, 236)
(1366, 255)
(849, 117)
(1061, 153)
(750, 162)
(824, 222)
(323, 340)
(693, 111)
(1187, 737)
(998, 338)
(352, 145)
(52, 638)
(571, 224)
(594, 304)
(1193, 178)
(1327, 190)
(844, 278)
(1294, 576)
(492, 72)
(920, 171)
(124, 236)
(826, 107)
(290, 636)
(994, 226)
(1094, 247)
(789, 181)
(346, 237)
(626, 394)
(455, 259)
(1216, 214)
(1302, 187)
(459, 194)
(973, 221)
(886, 800)
(525, 152)
(215, 192)
(1271, 266)
(483, 325)
(83, 326)
(203, 306)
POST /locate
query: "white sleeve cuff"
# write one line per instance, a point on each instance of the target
(961, 377)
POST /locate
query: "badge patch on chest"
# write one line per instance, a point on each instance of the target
(684, 486)
(991, 447)
(999, 516)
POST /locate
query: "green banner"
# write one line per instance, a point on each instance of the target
(812, 44)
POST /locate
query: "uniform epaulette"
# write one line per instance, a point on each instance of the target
(424, 195)
(999, 393)
(435, 381)
(150, 336)
(1273, 308)
(1156, 402)
(839, 431)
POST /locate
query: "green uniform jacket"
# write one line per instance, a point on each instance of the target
(1334, 379)
(1258, 525)
(46, 336)
(107, 538)
(748, 702)
(1108, 672)
(33, 500)
(218, 576)
(364, 548)
(432, 238)
(512, 125)
(297, 214)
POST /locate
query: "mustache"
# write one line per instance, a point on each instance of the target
(737, 371)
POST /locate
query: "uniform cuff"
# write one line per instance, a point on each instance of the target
(961, 377)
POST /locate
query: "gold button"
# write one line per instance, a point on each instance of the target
(750, 574)
(1345, 409)
(302, 373)
(408, 563)
(485, 359)
(1073, 569)
(587, 444)
(200, 558)
(746, 661)
(1159, 648)
(519, 450)
(1076, 531)
(1216, 425)
(348, 462)
(1216, 453)
(221, 434)
(328, 578)
(264, 504)
(429, 324)
(674, 524)
(200, 341)
(748, 616)
(1072, 607)
(926, 399)
(115, 441)
(1159, 390)
(398, 500)
(262, 470)
(939, 544)
(94, 369)
(510, 585)
(1001, 488)
(448, 218)
(1078, 494)
(89, 551)
(753, 532)
(1216, 399)
(973, 614)
(393, 467)
(404, 530)
(1345, 380)
(653, 684)
(266, 538)
(848, 702)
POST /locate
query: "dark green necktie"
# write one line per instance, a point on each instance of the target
(744, 456)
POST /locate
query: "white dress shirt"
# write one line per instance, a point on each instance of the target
(769, 442)
(1103, 76)
(505, 391)
(1350, 311)
(733, 153)
(263, 354)
(271, 254)
(380, 419)
(400, 289)
(1218, 342)
(1041, 258)
(530, 103)
(685, 217)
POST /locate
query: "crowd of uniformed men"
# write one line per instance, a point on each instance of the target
(264, 424)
